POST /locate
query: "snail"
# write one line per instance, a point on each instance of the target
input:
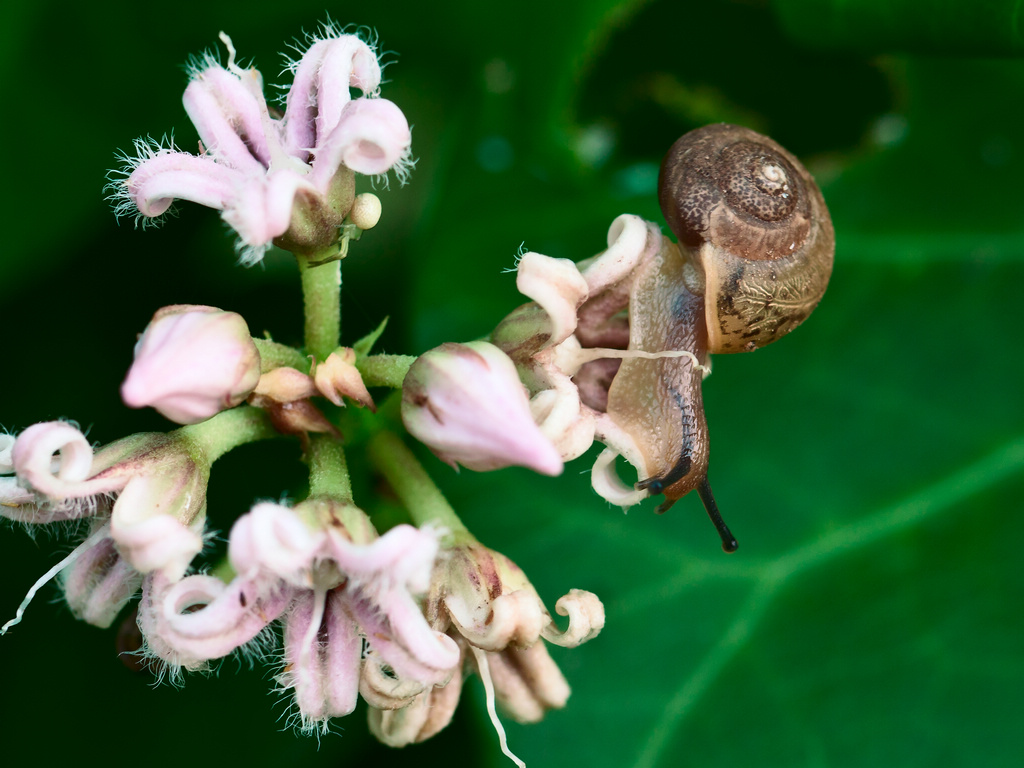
(753, 259)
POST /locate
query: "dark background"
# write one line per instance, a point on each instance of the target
(870, 465)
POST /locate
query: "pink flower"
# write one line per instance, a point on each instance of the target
(145, 496)
(191, 363)
(467, 404)
(335, 585)
(486, 602)
(148, 488)
(281, 179)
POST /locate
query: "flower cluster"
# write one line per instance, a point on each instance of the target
(285, 180)
(399, 614)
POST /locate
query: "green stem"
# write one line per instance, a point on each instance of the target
(274, 355)
(321, 295)
(328, 470)
(385, 370)
(228, 430)
(415, 489)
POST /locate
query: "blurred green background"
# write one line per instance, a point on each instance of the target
(871, 465)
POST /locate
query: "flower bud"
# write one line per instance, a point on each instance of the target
(191, 363)
(337, 376)
(365, 211)
(467, 404)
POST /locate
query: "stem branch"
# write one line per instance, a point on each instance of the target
(321, 295)
(228, 430)
(412, 484)
(328, 470)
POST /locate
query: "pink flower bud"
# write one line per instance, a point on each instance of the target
(467, 404)
(191, 363)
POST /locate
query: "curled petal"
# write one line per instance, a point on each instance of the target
(229, 116)
(516, 619)
(146, 525)
(271, 537)
(403, 557)
(201, 618)
(400, 637)
(383, 689)
(32, 459)
(371, 137)
(322, 651)
(320, 90)
(586, 619)
(557, 286)
(630, 240)
(426, 715)
(99, 583)
(562, 418)
(157, 181)
(605, 480)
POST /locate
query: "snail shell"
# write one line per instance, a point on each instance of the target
(755, 230)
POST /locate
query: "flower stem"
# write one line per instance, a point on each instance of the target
(328, 470)
(228, 430)
(321, 295)
(423, 499)
(274, 355)
(385, 370)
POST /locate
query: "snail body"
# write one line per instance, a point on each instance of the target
(753, 259)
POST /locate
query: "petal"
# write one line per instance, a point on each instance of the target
(630, 241)
(201, 618)
(527, 682)
(337, 376)
(99, 583)
(320, 90)
(402, 557)
(272, 538)
(428, 714)
(515, 618)
(229, 116)
(322, 661)
(32, 459)
(371, 137)
(404, 641)
(563, 419)
(586, 619)
(557, 286)
(260, 208)
(146, 525)
(606, 482)
(158, 181)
